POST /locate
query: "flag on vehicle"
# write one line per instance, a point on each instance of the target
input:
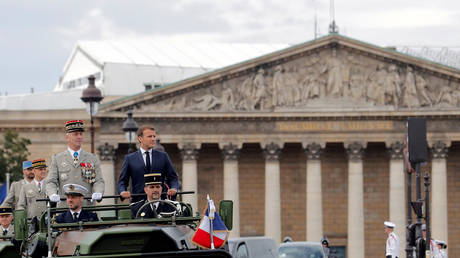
(3, 192)
(210, 224)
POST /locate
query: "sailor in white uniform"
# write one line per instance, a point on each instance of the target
(392, 245)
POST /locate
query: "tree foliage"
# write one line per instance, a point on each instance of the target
(13, 151)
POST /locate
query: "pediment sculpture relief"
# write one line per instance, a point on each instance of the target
(328, 79)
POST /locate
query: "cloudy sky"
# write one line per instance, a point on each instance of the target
(37, 37)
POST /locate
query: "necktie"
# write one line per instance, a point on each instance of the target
(5, 232)
(75, 216)
(39, 187)
(75, 158)
(147, 162)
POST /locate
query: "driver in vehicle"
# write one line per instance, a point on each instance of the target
(75, 195)
(153, 190)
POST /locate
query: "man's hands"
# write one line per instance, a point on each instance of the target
(125, 195)
(172, 191)
(55, 198)
(96, 197)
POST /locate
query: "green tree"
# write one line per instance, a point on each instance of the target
(13, 151)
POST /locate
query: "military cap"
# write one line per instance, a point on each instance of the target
(424, 227)
(389, 224)
(154, 178)
(441, 243)
(27, 164)
(5, 210)
(74, 126)
(39, 163)
(74, 189)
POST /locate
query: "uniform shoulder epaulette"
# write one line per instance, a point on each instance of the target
(135, 203)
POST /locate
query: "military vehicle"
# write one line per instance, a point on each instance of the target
(116, 234)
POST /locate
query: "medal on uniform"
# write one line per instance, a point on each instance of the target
(88, 173)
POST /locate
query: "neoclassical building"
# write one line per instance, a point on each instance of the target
(307, 141)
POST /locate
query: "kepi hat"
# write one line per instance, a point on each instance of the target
(389, 224)
(74, 126)
(5, 210)
(39, 163)
(75, 189)
(27, 164)
(153, 178)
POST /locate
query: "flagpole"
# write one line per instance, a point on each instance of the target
(211, 218)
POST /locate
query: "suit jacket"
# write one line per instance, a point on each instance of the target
(66, 217)
(12, 198)
(147, 211)
(63, 171)
(27, 200)
(134, 168)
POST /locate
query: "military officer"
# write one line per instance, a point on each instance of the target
(35, 190)
(75, 195)
(153, 189)
(12, 198)
(6, 216)
(392, 245)
(74, 165)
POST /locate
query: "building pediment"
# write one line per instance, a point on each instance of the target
(333, 74)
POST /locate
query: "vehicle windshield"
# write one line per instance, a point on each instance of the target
(301, 252)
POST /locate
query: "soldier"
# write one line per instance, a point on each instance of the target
(153, 190)
(31, 192)
(15, 189)
(75, 195)
(74, 165)
(6, 216)
(392, 245)
(420, 243)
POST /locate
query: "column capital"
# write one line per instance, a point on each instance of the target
(355, 151)
(313, 150)
(396, 150)
(189, 151)
(439, 150)
(107, 152)
(230, 151)
(272, 151)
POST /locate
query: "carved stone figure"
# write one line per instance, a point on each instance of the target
(392, 90)
(410, 98)
(421, 86)
(334, 78)
(312, 86)
(447, 97)
(207, 102)
(376, 85)
(258, 91)
(357, 91)
(280, 95)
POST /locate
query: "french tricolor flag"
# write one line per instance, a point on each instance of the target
(202, 236)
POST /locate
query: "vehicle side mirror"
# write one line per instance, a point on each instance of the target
(20, 224)
(226, 213)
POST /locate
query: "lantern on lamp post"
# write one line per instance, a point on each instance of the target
(130, 129)
(92, 96)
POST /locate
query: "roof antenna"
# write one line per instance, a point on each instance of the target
(332, 26)
(315, 26)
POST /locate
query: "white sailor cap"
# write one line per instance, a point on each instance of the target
(73, 189)
(441, 243)
(389, 224)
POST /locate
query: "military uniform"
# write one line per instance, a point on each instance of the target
(6, 232)
(154, 209)
(70, 216)
(392, 244)
(31, 192)
(27, 199)
(82, 168)
(12, 198)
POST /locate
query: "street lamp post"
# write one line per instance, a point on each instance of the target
(92, 96)
(130, 128)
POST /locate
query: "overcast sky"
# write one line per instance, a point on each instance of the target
(37, 36)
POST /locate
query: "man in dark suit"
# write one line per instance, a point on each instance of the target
(75, 196)
(146, 161)
(153, 189)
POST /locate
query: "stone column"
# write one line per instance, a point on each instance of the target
(107, 158)
(314, 198)
(439, 226)
(189, 154)
(355, 241)
(397, 193)
(231, 184)
(272, 191)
